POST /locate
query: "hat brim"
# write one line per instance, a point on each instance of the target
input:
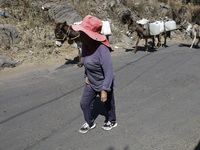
(106, 43)
(94, 35)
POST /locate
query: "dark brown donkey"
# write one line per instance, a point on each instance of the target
(64, 32)
(165, 34)
(142, 34)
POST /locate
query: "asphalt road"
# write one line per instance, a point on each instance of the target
(157, 105)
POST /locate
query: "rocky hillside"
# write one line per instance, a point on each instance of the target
(27, 31)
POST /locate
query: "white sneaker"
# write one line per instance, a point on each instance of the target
(108, 125)
(85, 127)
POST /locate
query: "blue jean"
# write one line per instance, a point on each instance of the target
(87, 101)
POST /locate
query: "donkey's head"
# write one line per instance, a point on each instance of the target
(132, 26)
(64, 32)
(60, 33)
(189, 29)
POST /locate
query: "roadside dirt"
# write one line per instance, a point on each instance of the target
(66, 53)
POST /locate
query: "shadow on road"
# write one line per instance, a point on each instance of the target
(184, 45)
(69, 62)
(74, 61)
(125, 148)
(142, 48)
(99, 109)
(188, 45)
(197, 147)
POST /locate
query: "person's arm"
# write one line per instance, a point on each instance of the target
(86, 78)
(107, 66)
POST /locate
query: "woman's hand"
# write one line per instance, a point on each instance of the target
(103, 96)
(86, 80)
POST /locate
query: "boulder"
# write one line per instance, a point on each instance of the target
(127, 40)
(63, 12)
(8, 35)
(6, 62)
(182, 16)
(163, 10)
(48, 5)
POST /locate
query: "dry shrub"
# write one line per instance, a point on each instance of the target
(32, 23)
(163, 1)
(175, 7)
(139, 7)
(88, 5)
(195, 13)
(143, 8)
(193, 10)
(195, 2)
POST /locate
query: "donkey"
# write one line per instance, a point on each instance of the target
(64, 32)
(165, 34)
(194, 31)
(141, 32)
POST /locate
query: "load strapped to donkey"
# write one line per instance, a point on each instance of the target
(157, 27)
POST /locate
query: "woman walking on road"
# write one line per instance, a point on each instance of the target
(99, 75)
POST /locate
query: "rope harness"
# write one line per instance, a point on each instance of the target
(67, 34)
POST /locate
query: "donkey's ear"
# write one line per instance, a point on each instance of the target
(63, 24)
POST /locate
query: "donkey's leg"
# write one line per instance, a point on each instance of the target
(79, 59)
(146, 44)
(153, 44)
(193, 40)
(159, 41)
(198, 42)
(158, 38)
(165, 39)
(135, 50)
(79, 45)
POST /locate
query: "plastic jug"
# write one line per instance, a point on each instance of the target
(143, 21)
(106, 28)
(154, 28)
(162, 28)
(170, 25)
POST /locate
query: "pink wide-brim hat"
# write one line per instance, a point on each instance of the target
(92, 27)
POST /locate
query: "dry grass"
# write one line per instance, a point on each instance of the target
(37, 32)
(163, 1)
(175, 5)
(144, 8)
(35, 29)
(194, 10)
(195, 13)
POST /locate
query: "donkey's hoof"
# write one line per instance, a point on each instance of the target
(80, 65)
(134, 51)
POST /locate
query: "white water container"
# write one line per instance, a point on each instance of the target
(105, 30)
(143, 21)
(154, 28)
(162, 27)
(170, 25)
